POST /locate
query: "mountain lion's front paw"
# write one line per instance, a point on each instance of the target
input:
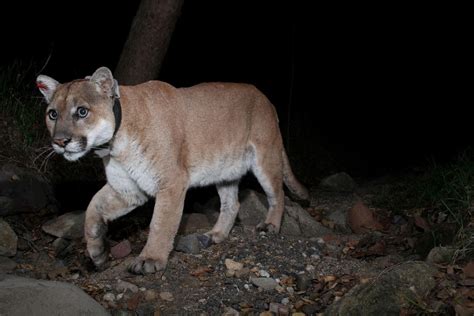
(144, 266)
(99, 253)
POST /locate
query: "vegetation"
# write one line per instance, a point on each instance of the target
(443, 193)
(24, 138)
(21, 113)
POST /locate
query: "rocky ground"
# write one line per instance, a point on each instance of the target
(338, 256)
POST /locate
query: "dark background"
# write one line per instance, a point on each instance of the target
(365, 89)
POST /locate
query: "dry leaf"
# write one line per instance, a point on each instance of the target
(422, 223)
(469, 270)
(201, 271)
(463, 311)
(329, 278)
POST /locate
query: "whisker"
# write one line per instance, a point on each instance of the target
(41, 154)
(44, 164)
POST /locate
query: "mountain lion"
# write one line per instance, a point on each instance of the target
(159, 141)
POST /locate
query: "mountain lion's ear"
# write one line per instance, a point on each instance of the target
(47, 86)
(104, 79)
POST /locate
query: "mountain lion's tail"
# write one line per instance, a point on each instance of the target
(291, 182)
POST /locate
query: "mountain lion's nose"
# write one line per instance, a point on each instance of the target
(62, 142)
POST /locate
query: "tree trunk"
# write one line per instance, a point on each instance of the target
(148, 41)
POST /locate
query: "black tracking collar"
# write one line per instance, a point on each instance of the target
(117, 114)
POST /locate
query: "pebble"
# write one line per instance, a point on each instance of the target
(278, 309)
(233, 265)
(150, 295)
(229, 311)
(264, 274)
(121, 250)
(303, 281)
(290, 290)
(166, 296)
(109, 297)
(188, 244)
(266, 284)
(285, 301)
(242, 273)
(123, 286)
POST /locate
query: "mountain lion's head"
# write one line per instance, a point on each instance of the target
(80, 113)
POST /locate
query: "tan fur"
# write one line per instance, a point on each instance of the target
(170, 140)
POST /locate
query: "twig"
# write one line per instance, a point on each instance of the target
(31, 244)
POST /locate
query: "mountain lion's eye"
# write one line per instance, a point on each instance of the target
(53, 114)
(82, 112)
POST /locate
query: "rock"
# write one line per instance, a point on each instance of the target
(388, 293)
(339, 218)
(188, 244)
(69, 225)
(121, 250)
(60, 246)
(268, 284)
(229, 311)
(278, 309)
(296, 220)
(166, 296)
(361, 219)
(312, 309)
(440, 255)
(253, 208)
(290, 226)
(123, 286)
(109, 297)
(23, 296)
(242, 273)
(7, 264)
(23, 191)
(308, 226)
(340, 182)
(233, 265)
(151, 295)
(303, 281)
(8, 240)
(194, 222)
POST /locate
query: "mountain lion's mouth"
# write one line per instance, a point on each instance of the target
(73, 155)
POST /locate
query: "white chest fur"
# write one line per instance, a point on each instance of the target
(132, 170)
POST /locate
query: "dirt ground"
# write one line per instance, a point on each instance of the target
(307, 273)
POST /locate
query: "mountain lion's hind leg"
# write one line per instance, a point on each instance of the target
(228, 194)
(269, 173)
(105, 206)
